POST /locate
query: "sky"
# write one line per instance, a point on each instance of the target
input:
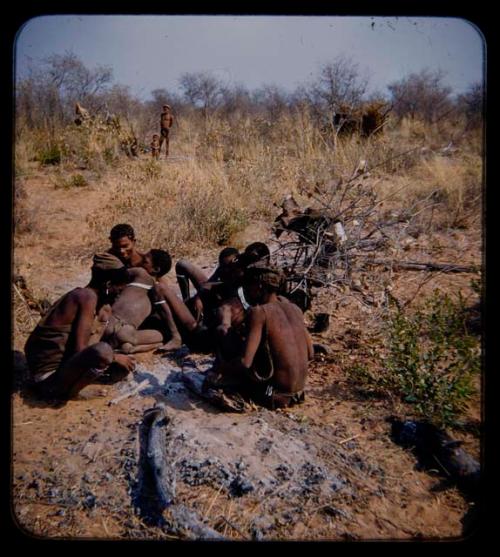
(152, 52)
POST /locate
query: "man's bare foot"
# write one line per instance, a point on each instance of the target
(173, 344)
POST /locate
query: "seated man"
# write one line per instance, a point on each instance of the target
(190, 320)
(187, 272)
(133, 306)
(222, 309)
(60, 356)
(272, 367)
(123, 246)
(256, 252)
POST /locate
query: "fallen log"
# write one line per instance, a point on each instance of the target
(435, 449)
(182, 519)
(163, 472)
(191, 526)
(427, 266)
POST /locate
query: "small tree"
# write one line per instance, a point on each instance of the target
(421, 95)
(46, 96)
(273, 99)
(471, 103)
(235, 100)
(201, 89)
(339, 85)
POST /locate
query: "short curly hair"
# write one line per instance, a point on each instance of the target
(257, 251)
(227, 252)
(162, 260)
(121, 230)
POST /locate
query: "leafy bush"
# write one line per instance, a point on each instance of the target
(431, 359)
(75, 181)
(50, 155)
(151, 169)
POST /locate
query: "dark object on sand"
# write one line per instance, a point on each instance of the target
(229, 403)
(321, 323)
(182, 520)
(162, 470)
(321, 349)
(435, 449)
(300, 297)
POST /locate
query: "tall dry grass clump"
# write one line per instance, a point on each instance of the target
(224, 173)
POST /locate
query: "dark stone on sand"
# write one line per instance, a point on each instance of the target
(240, 486)
(435, 449)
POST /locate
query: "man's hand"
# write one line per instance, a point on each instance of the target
(125, 361)
(198, 308)
(212, 379)
(221, 330)
(104, 313)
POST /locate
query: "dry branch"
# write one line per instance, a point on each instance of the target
(130, 393)
(427, 266)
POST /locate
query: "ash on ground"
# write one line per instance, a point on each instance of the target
(271, 462)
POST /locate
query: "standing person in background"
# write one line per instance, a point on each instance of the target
(155, 146)
(166, 121)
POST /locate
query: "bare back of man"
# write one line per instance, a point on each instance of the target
(272, 367)
(282, 326)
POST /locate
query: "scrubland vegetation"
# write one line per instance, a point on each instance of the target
(235, 154)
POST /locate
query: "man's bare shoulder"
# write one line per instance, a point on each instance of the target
(141, 275)
(256, 313)
(82, 295)
(286, 309)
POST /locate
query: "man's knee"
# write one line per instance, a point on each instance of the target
(127, 334)
(181, 266)
(127, 347)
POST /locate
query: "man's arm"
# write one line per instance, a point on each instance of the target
(257, 320)
(310, 347)
(82, 325)
(224, 320)
(309, 342)
(241, 364)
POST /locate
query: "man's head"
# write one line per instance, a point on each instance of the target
(255, 252)
(230, 269)
(122, 238)
(109, 275)
(156, 136)
(166, 107)
(260, 280)
(227, 256)
(157, 262)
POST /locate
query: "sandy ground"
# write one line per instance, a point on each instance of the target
(325, 470)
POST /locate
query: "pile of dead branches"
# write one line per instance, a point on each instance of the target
(344, 234)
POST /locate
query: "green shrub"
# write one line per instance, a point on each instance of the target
(151, 169)
(75, 181)
(430, 361)
(109, 155)
(50, 155)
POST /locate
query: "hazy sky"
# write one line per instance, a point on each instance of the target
(151, 52)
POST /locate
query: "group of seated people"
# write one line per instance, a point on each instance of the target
(259, 339)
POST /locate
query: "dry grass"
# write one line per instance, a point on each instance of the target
(224, 174)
